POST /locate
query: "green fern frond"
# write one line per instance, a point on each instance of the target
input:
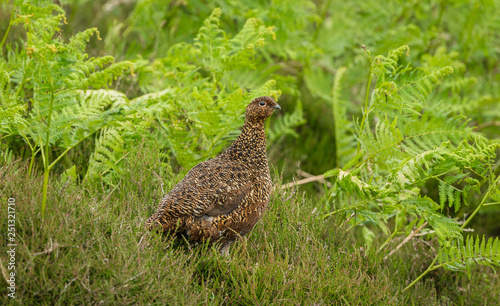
(383, 64)
(418, 84)
(241, 48)
(12, 118)
(103, 163)
(495, 194)
(446, 228)
(456, 85)
(418, 166)
(82, 70)
(419, 205)
(267, 89)
(6, 156)
(11, 110)
(348, 183)
(378, 219)
(473, 252)
(432, 131)
(406, 142)
(210, 40)
(4, 80)
(78, 42)
(106, 76)
(452, 195)
(284, 124)
(384, 141)
(345, 142)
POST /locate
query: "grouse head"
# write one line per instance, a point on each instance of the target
(261, 108)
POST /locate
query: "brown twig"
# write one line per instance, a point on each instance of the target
(307, 175)
(413, 233)
(317, 178)
(426, 233)
(50, 250)
(53, 247)
(486, 124)
(348, 219)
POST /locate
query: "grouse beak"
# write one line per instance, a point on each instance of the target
(277, 106)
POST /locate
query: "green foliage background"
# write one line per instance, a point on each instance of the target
(395, 102)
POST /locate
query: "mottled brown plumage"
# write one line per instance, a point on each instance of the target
(223, 198)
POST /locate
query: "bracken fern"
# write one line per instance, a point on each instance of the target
(46, 86)
(405, 142)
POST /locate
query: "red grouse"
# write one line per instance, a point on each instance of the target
(222, 198)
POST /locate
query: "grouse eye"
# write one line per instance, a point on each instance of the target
(262, 103)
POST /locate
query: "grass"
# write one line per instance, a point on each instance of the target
(91, 248)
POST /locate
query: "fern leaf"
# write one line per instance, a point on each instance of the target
(210, 40)
(242, 48)
(104, 77)
(103, 162)
(78, 42)
(6, 156)
(345, 142)
(446, 228)
(473, 252)
(284, 124)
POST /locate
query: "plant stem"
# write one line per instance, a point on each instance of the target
(431, 266)
(31, 163)
(365, 112)
(214, 89)
(429, 269)
(337, 115)
(8, 30)
(367, 96)
(486, 196)
(46, 167)
(491, 203)
(64, 153)
(44, 190)
(396, 229)
(33, 152)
